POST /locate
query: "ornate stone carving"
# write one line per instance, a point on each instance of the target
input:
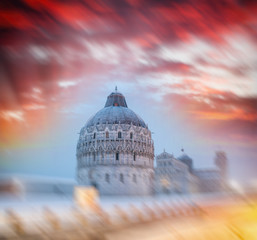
(129, 152)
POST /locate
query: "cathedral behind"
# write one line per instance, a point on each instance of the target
(115, 151)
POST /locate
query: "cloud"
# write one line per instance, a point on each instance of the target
(174, 67)
(67, 84)
(45, 44)
(160, 21)
(33, 107)
(238, 70)
(221, 115)
(12, 116)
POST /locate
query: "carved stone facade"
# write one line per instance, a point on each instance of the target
(115, 151)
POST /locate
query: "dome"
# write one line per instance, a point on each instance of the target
(164, 155)
(115, 142)
(187, 160)
(116, 111)
(185, 157)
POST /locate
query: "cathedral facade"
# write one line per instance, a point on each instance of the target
(171, 175)
(177, 175)
(115, 151)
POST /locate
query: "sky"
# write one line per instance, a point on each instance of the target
(188, 68)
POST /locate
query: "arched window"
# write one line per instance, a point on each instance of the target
(117, 156)
(94, 135)
(134, 178)
(94, 156)
(107, 134)
(107, 177)
(121, 178)
(134, 156)
(131, 135)
(119, 134)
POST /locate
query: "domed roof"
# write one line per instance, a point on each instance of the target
(116, 99)
(116, 111)
(186, 160)
(164, 155)
(184, 157)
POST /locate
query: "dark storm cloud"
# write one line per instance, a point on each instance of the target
(169, 20)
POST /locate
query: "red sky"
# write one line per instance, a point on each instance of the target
(193, 63)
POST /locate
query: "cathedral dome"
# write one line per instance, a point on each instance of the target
(116, 111)
(187, 160)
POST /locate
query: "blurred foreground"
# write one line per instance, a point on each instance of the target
(220, 216)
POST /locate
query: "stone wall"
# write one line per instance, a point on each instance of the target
(123, 151)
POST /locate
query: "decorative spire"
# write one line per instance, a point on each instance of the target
(116, 89)
(182, 149)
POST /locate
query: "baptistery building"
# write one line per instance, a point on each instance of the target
(115, 151)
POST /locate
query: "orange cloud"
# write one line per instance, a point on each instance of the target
(214, 113)
(235, 114)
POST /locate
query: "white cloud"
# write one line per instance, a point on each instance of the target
(106, 53)
(39, 53)
(34, 106)
(67, 84)
(12, 115)
(37, 90)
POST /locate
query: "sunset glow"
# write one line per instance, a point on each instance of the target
(189, 67)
